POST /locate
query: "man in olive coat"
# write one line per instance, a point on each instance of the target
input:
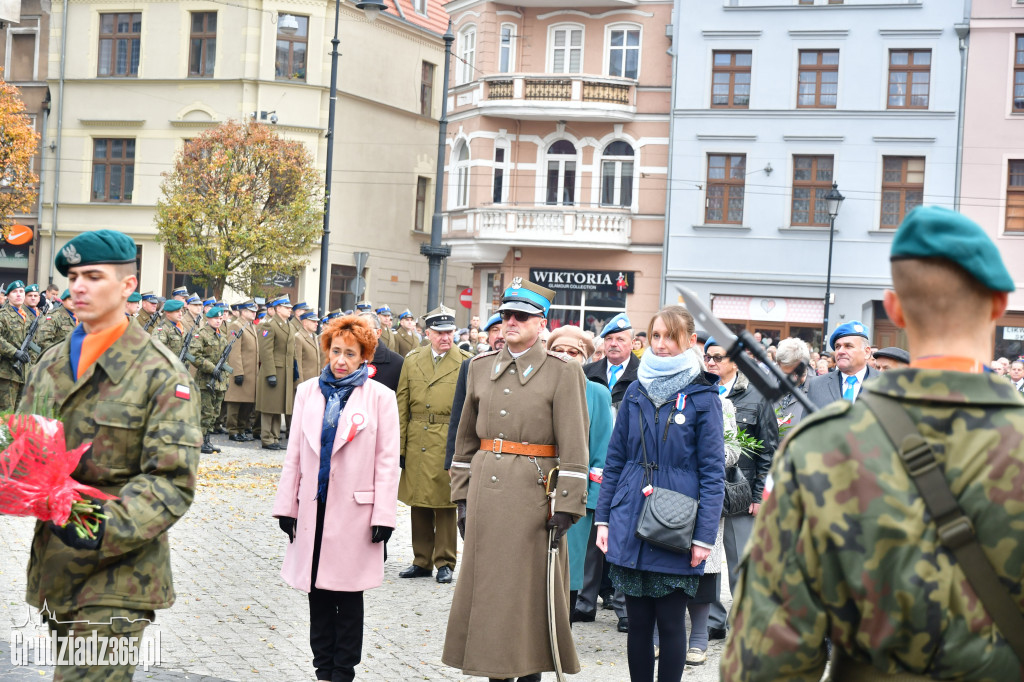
(387, 334)
(275, 389)
(426, 388)
(244, 359)
(525, 413)
(309, 356)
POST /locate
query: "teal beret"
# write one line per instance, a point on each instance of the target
(95, 248)
(172, 304)
(32, 288)
(66, 295)
(135, 297)
(936, 232)
(214, 312)
(16, 284)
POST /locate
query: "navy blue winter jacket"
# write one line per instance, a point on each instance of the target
(690, 458)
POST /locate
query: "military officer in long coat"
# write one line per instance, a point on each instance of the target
(309, 356)
(58, 323)
(405, 336)
(13, 327)
(275, 387)
(244, 359)
(426, 388)
(387, 334)
(525, 414)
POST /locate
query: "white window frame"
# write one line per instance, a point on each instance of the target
(460, 175)
(617, 191)
(420, 7)
(510, 47)
(608, 48)
(22, 29)
(569, 27)
(466, 71)
(504, 166)
(562, 158)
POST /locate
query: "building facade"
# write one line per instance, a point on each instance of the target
(775, 101)
(175, 69)
(558, 152)
(992, 185)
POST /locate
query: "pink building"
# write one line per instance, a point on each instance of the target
(992, 186)
(558, 152)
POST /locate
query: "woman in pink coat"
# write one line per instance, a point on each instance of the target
(338, 494)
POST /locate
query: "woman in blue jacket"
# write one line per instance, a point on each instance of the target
(677, 405)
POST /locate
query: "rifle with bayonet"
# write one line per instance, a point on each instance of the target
(222, 362)
(22, 357)
(184, 354)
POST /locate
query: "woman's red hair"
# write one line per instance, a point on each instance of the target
(353, 330)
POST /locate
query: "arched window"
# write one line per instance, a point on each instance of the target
(507, 54)
(461, 174)
(617, 174)
(466, 70)
(565, 48)
(561, 187)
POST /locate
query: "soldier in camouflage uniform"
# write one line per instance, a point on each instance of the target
(845, 547)
(13, 327)
(133, 401)
(58, 323)
(169, 330)
(207, 348)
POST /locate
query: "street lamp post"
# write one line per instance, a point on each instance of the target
(833, 200)
(435, 251)
(371, 8)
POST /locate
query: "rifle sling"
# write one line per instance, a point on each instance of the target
(955, 530)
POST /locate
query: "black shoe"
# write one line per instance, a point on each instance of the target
(247, 437)
(606, 601)
(415, 571)
(623, 624)
(716, 633)
(444, 574)
(272, 446)
(220, 431)
(206, 449)
(530, 678)
(236, 438)
(582, 617)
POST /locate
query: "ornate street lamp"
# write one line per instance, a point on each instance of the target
(833, 200)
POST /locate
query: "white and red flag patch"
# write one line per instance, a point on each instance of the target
(182, 391)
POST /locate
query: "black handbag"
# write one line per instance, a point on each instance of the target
(738, 496)
(666, 517)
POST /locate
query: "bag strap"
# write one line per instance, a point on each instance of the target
(648, 467)
(955, 530)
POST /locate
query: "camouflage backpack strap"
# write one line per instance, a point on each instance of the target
(955, 530)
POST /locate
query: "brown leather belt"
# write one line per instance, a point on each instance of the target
(511, 447)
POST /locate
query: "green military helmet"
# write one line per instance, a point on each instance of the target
(96, 248)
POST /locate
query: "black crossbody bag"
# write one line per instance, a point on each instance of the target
(666, 517)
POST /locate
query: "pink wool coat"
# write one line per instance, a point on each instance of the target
(363, 490)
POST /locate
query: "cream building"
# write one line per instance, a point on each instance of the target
(139, 80)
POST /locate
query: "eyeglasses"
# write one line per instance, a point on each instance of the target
(520, 316)
(716, 358)
(572, 352)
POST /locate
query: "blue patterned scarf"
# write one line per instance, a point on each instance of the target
(336, 392)
(664, 377)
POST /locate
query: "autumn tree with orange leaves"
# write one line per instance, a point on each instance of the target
(18, 144)
(241, 205)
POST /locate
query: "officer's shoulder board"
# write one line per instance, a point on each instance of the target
(564, 357)
(485, 354)
(417, 350)
(465, 353)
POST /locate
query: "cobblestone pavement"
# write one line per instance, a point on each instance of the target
(235, 619)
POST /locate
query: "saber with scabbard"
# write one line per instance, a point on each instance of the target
(550, 488)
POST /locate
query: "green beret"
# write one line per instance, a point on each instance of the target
(95, 248)
(32, 288)
(16, 284)
(135, 297)
(172, 304)
(66, 295)
(214, 312)
(936, 232)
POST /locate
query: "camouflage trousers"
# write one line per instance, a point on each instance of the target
(10, 392)
(122, 629)
(210, 403)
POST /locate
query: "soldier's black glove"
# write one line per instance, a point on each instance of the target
(272, 381)
(381, 534)
(22, 357)
(460, 515)
(401, 461)
(288, 525)
(560, 522)
(69, 536)
(239, 380)
(217, 374)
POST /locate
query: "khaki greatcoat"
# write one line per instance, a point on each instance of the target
(309, 357)
(425, 394)
(498, 623)
(244, 359)
(277, 353)
(405, 341)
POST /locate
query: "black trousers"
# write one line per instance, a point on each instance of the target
(335, 622)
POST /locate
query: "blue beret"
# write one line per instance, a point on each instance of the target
(491, 321)
(619, 323)
(851, 328)
(710, 342)
(134, 297)
(66, 295)
(936, 232)
(16, 284)
(172, 305)
(94, 248)
(528, 297)
(32, 288)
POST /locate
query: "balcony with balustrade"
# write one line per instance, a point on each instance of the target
(566, 97)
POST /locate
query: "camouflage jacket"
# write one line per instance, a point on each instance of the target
(169, 334)
(12, 332)
(844, 547)
(138, 407)
(55, 328)
(207, 348)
